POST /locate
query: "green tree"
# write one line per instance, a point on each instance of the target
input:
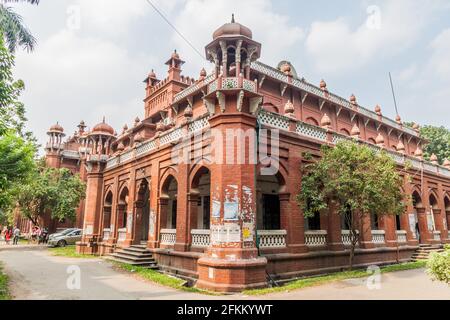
(438, 266)
(438, 141)
(52, 190)
(356, 182)
(13, 29)
(16, 163)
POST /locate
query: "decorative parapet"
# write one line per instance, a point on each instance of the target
(378, 236)
(312, 89)
(232, 83)
(70, 154)
(316, 238)
(272, 238)
(401, 236)
(200, 238)
(194, 88)
(168, 236)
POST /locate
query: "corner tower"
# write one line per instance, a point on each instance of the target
(231, 262)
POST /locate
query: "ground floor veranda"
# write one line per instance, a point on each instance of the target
(178, 232)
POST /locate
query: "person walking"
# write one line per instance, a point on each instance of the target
(16, 235)
(8, 235)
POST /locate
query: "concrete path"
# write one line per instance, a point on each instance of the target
(36, 274)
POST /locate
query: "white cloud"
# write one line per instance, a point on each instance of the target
(440, 59)
(336, 47)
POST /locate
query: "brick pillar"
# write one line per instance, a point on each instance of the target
(365, 232)
(93, 210)
(183, 229)
(163, 207)
(193, 200)
(439, 223)
(425, 234)
(334, 232)
(388, 224)
(153, 236)
(294, 215)
(231, 262)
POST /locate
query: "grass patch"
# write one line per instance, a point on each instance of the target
(4, 291)
(160, 278)
(320, 280)
(69, 252)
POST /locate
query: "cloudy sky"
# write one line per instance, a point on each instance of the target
(93, 55)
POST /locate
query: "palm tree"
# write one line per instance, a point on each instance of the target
(12, 28)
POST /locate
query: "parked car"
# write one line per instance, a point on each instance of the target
(64, 238)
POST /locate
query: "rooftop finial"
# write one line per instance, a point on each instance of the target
(232, 18)
(104, 119)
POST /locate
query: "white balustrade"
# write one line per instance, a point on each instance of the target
(200, 238)
(437, 235)
(346, 239)
(401, 236)
(311, 131)
(378, 236)
(122, 234)
(273, 120)
(171, 136)
(272, 238)
(106, 234)
(316, 238)
(168, 236)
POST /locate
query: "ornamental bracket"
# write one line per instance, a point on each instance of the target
(283, 87)
(240, 100)
(221, 97)
(255, 104)
(210, 106)
(303, 95)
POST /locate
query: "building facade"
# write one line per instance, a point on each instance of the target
(179, 184)
(61, 153)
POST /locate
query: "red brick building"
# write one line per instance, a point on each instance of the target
(61, 153)
(178, 183)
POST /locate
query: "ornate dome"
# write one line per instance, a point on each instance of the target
(188, 113)
(103, 128)
(138, 138)
(353, 99)
(400, 147)
(56, 128)
(326, 121)
(152, 74)
(434, 158)
(232, 29)
(175, 55)
(377, 109)
(446, 163)
(289, 107)
(323, 85)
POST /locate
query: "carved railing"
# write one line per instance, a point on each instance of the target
(200, 238)
(168, 236)
(195, 87)
(273, 120)
(106, 234)
(272, 238)
(378, 236)
(122, 234)
(310, 131)
(401, 236)
(437, 235)
(316, 238)
(345, 236)
(171, 136)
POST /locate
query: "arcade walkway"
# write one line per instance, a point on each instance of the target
(38, 275)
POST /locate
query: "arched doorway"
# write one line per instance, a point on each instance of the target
(201, 196)
(447, 211)
(142, 212)
(122, 209)
(434, 213)
(107, 208)
(169, 192)
(268, 202)
(418, 209)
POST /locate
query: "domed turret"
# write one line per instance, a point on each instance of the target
(418, 153)
(188, 113)
(102, 129)
(138, 138)
(400, 147)
(232, 29)
(434, 159)
(378, 109)
(323, 85)
(57, 128)
(289, 108)
(446, 163)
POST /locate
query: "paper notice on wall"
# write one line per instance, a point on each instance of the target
(430, 222)
(247, 232)
(152, 222)
(412, 224)
(229, 233)
(231, 210)
(216, 209)
(129, 221)
(89, 230)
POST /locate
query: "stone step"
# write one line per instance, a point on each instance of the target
(135, 255)
(125, 257)
(137, 249)
(149, 265)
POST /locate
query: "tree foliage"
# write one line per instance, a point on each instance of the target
(13, 29)
(52, 190)
(356, 182)
(438, 266)
(439, 142)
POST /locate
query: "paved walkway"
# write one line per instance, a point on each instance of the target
(36, 274)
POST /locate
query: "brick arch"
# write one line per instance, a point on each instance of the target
(168, 174)
(345, 131)
(416, 195)
(312, 121)
(432, 195)
(281, 176)
(447, 202)
(195, 174)
(123, 193)
(108, 194)
(270, 107)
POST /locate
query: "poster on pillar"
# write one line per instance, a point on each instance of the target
(247, 231)
(215, 209)
(152, 222)
(129, 221)
(223, 234)
(231, 204)
(412, 224)
(430, 222)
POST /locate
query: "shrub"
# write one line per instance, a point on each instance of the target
(438, 266)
